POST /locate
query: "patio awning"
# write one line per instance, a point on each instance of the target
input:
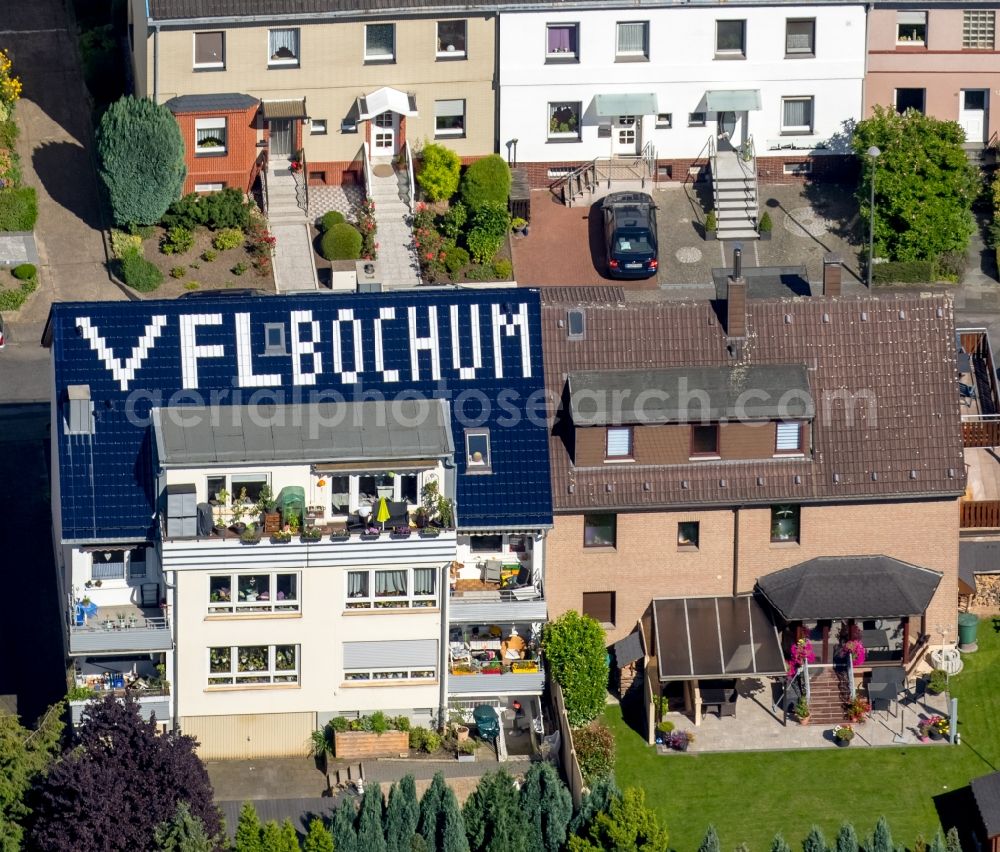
(732, 100)
(837, 587)
(386, 99)
(628, 650)
(715, 638)
(284, 109)
(625, 104)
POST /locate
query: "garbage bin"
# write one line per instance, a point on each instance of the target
(486, 721)
(967, 626)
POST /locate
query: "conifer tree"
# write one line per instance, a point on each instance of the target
(345, 838)
(815, 841)
(184, 833)
(371, 820)
(779, 844)
(847, 839)
(711, 841)
(402, 816)
(248, 830)
(882, 838)
(318, 839)
(494, 821)
(291, 837)
(546, 806)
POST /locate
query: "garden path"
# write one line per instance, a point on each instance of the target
(396, 253)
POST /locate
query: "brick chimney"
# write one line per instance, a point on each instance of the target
(832, 271)
(736, 298)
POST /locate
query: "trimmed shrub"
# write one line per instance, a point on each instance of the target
(229, 208)
(903, 272)
(950, 266)
(456, 259)
(239, 268)
(341, 242)
(485, 180)
(24, 271)
(493, 218)
(208, 256)
(454, 220)
(139, 274)
(595, 749)
(177, 240)
(228, 238)
(503, 269)
(18, 209)
(122, 243)
(476, 272)
(142, 159)
(439, 172)
(483, 245)
(178, 272)
(328, 220)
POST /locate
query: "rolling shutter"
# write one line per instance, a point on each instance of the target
(619, 442)
(789, 437)
(403, 654)
(600, 606)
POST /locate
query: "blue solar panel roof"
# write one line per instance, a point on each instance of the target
(481, 350)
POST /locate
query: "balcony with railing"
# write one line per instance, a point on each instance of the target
(152, 702)
(503, 593)
(128, 629)
(490, 660)
(979, 398)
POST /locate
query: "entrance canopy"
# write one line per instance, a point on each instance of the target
(732, 100)
(715, 638)
(386, 99)
(284, 109)
(627, 104)
(836, 587)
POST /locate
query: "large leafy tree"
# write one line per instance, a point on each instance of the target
(122, 765)
(578, 660)
(924, 184)
(493, 818)
(546, 806)
(141, 160)
(24, 755)
(401, 816)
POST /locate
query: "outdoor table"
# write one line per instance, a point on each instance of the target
(894, 675)
(875, 639)
(714, 697)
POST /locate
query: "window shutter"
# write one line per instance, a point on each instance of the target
(619, 442)
(600, 606)
(408, 653)
(911, 17)
(449, 109)
(789, 437)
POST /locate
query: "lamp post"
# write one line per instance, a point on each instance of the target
(873, 153)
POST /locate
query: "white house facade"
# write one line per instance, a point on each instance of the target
(669, 82)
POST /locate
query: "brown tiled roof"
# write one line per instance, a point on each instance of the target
(572, 297)
(900, 348)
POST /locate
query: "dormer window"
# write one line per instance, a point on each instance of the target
(477, 451)
(619, 444)
(705, 441)
(788, 438)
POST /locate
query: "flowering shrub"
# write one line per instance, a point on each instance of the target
(857, 709)
(10, 86)
(261, 240)
(368, 228)
(844, 732)
(295, 166)
(679, 740)
(802, 654)
(855, 649)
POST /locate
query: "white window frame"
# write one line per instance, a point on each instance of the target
(914, 42)
(452, 54)
(789, 129)
(368, 675)
(801, 52)
(271, 675)
(231, 483)
(569, 135)
(632, 54)
(485, 465)
(235, 606)
(731, 52)
(613, 441)
(381, 57)
(318, 127)
(409, 600)
(209, 187)
(664, 120)
(211, 124)
(697, 119)
(444, 133)
(286, 62)
(976, 24)
(804, 168)
(783, 436)
(563, 56)
(194, 50)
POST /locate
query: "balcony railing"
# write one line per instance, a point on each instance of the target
(151, 702)
(113, 636)
(508, 683)
(503, 605)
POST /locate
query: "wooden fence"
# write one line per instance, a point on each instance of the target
(979, 514)
(567, 756)
(981, 433)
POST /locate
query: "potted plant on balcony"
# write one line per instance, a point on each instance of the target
(494, 667)
(341, 535)
(400, 532)
(857, 708)
(843, 734)
(371, 533)
(239, 512)
(765, 226)
(466, 751)
(266, 508)
(281, 536)
(312, 534)
(802, 711)
(250, 534)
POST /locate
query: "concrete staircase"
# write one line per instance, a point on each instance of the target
(829, 694)
(283, 205)
(294, 266)
(396, 254)
(592, 181)
(982, 156)
(734, 189)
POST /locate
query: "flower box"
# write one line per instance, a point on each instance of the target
(462, 670)
(524, 667)
(491, 670)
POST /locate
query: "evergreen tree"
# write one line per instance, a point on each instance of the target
(546, 807)
(779, 844)
(318, 839)
(184, 833)
(248, 830)
(451, 828)
(815, 841)
(952, 843)
(430, 808)
(494, 821)
(937, 844)
(599, 799)
(371, 820)
(847, 839)
(345, 838)
(141, 160)
(290, 837)
(711, 841)
(882, 838)
(271, 838)
(402, 816)
(626, 826)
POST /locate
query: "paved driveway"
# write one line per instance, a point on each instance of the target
(55, 148)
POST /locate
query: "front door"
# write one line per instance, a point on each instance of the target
(972, 114)
(727, 134)
(384, 134)
(625, 136)
(280, 137)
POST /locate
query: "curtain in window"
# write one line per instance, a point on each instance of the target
(798, 113)
(799, 36)
(379, 40)
(562, 39)
(390, 583)
(284, 44)
(423, 581)
(357, 584)
(632, 37)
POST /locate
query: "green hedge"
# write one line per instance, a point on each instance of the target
(329, 219)
(904, 272)
(341, 242)
(18, 209)
(139, 273)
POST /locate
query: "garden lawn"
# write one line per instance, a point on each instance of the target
(751, 796)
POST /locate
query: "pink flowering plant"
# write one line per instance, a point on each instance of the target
(368, 228)
(801, 655)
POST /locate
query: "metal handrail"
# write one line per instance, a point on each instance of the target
(704, 147)
(142, 623)
(713, 162)
(365, 159)
(304, 171)
(574, 181)
(648, 156)
(411, 191)
(260, 168)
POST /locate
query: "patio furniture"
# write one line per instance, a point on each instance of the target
(884, 686)
(492, 571)
(964, 362)
(876, 640)
(487, 721)
(512, 648)
(967, 393)
(718, 698)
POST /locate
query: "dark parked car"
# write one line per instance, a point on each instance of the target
(630, 235)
